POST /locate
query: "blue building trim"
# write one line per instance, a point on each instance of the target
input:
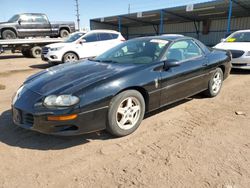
(229, 16)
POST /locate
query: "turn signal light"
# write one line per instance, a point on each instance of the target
(62, 118)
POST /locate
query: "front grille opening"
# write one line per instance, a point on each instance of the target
(28, 119)
(67, 127)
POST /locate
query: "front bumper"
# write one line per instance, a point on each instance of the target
(86, 122)
(241, 63)
(51, 57)
(27, 116)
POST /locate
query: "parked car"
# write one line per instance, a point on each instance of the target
(33, 25)
(79, 46)
(114, 90)
(239, 45)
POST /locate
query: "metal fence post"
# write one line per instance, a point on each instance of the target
(229, 16)
(161, 22)
(119, 24)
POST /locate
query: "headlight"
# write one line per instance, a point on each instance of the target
(56, 49)
(60, 101)
(248, 53)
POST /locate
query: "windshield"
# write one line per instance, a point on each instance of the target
(239, 37)
(74, 37)
(14, 18)
(138, 51)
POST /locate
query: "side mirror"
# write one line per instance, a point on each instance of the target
(223, 40)
(82, 41)
(171, 63)
(19, 22)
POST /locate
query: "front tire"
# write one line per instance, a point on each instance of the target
(70, 57)
(36, 51)
(8, 34)
(215, 83)
(125, 113)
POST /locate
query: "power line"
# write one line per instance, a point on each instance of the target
(77, 14)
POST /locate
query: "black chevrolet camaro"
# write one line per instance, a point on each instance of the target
(114, 90)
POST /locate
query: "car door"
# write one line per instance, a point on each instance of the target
(187, 78)
(88, 47)
(41, 25)
(25, 25)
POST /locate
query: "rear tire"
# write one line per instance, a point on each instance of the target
(70, 57)
(36, 52)
(26, 52)
(8, 34)
(126, 112)
(64, 33)
(215, 83)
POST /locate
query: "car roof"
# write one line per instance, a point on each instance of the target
(104, 31)
(246, 30)
(170, 37)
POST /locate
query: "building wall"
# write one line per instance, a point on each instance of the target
(97, 25)
(217, 29)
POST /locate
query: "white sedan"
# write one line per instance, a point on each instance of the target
(239, 45)
(80, 45)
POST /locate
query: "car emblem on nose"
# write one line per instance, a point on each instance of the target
(156, 83)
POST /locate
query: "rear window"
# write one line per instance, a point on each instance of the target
(114, 36)
(105, 36)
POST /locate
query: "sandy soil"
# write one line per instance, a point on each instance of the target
(199, 142)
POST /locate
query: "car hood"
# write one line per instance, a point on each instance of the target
(58, 44)
(234, 46)
(71, 77)
(6, 23)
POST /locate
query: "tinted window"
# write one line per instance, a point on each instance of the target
(114, 36)
(139, 51)
(91, 37)
(39, 18)
(183, 50)
(105, 36)
(239, 37)
(14, 18)
(74, 37)
(26, 18)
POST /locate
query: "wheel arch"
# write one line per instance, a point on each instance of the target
(64, 27)
(8, 28)
(141, 90)
(223, 68)
(71, 52)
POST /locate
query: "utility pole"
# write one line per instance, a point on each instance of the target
(129, 8)
(77, 15)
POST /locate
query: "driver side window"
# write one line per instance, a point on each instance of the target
(91, 37)
(183, 50)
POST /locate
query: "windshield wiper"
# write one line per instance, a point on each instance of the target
(109, 61)
(103, 60)
(92, 59)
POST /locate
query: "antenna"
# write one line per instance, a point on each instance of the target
(77, 15)
(129, 8)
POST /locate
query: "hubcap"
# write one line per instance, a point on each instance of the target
(70, 58)
(128, 113)
(217, 81)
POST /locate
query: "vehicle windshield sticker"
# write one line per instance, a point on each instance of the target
(231, 40)
(159, 41)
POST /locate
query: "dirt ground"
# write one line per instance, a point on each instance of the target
(199, 142)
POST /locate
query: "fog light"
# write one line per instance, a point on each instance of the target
(62, 118)
(53, 57)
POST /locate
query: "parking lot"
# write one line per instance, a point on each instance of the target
(199, 142)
